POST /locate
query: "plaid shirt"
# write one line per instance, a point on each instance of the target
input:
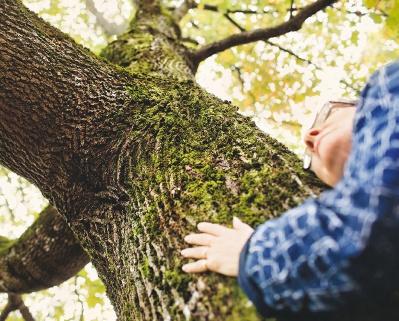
(345, 243)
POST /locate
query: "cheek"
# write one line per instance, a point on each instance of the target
(328, 154)
(318, 168)
(334, 153)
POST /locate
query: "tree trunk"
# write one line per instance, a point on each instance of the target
(133, 158)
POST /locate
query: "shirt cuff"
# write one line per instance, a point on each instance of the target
(248, 286)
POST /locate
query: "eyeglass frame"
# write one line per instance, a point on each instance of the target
(325, 109)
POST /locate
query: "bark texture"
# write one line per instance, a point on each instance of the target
(133, 161)
(47, 254)
(133, 158)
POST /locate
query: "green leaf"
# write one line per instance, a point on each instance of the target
(377, 18)
(93, 299)
(58, 312)
(371, 3)
(355, 37)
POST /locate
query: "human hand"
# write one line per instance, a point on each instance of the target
(219, 247)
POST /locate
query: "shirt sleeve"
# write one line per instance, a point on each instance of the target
(346, 241)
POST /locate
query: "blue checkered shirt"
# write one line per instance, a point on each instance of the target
(344, 243)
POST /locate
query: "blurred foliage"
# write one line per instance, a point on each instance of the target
(280, 83)
(387, 12)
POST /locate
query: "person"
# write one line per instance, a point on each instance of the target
(334, 249)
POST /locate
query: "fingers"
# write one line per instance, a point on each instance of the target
(195, 267)
(214, 229)
(199, 252)
(239, 225)
(199, 239)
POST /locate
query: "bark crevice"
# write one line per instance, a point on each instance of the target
(133, 158)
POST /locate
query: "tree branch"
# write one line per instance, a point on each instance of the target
(290, 52)
(214, 8)
(45, 255)
(242, 82)
(291, 9)
(6, 311)
(23, 309)
(14, 303)
(242, 38)
(235, 23)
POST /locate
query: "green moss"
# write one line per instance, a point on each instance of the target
(130, 48)
(5, 244)
(144, 267)
(151, 220)
(198, 160)
(176, 279)
(242, 307)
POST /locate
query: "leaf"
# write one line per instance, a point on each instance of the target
(371, 3)
(377, 18)
(93, 299)
(355, 37)
(58, 312)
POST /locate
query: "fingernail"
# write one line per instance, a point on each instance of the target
(187, 238)
(183, 252)
(184, 268)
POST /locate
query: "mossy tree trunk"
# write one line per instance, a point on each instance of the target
(134, 157)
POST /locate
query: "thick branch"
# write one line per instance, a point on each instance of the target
(291, 25)
(193, 5)
(43, 133)
(290, 52)
(153, 45)
(46, 255)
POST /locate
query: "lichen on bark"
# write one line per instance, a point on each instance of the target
(190, 158)
(139, 156)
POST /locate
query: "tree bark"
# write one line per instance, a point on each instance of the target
(133, 158)
(46, 255)
(133, 161)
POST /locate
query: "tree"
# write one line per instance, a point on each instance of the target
(133, 153)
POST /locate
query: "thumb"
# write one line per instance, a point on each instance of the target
(239, 225)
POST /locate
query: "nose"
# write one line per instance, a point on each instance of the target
(310, 138)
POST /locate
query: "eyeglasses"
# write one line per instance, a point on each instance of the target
(321, 117)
